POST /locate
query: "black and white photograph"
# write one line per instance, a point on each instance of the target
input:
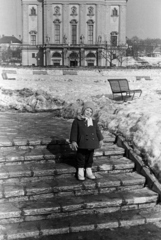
(80, 119)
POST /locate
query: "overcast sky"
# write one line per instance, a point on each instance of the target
(143, 18)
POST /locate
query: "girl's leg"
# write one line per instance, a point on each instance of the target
(81, 163)
(81, 158)
(89, 162)
(89, 158)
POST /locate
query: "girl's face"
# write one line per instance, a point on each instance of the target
(88, 112)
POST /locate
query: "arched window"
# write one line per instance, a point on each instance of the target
(73, 55)
(90, 55)
(74, 31)
(33, 37)
(90, 58)
(57, 31)
(90, 27)
(56, 55)
(56, 58)
(114, 39)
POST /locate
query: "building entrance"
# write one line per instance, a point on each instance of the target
(73, 57)
(73, 63)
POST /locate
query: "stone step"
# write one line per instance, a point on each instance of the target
(76, 205)
(38, 141)
(80, 223)
(50, 168)
(149, 231)
(57, 154)
(59, 187)
(37, 170)
(114, 164)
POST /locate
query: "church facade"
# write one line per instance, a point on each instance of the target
(72, 32)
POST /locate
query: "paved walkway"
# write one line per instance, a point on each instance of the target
(32, 126)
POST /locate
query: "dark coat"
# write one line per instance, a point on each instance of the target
(85, 137)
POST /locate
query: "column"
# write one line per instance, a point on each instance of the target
(107, 26)
(65, 56)
(65, 22)
(39, 22)
(99, 57)
(82, 22)
(122, 25)
(82, 58)
(49, 21)
(25, 33)
(48, 58)
(62, 57)
(45, 21)
(97, 23)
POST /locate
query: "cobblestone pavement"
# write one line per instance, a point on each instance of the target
(32, 126)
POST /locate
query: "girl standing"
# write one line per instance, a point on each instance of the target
(85, 136)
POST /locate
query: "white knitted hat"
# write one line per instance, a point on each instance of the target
(88, 105)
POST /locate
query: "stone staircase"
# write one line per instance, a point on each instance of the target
(41, 198)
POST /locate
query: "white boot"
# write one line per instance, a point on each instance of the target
(81, 174)
(89, 173)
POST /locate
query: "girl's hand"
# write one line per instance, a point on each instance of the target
(101, 143)
(74, 146)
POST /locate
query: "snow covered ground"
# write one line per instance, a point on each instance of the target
(139, 121)
(152, 60)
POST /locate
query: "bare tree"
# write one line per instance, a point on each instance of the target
(110, 53)
(107, 53)
(6, 54)
(121, 54)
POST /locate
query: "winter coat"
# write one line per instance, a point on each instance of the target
(86, 137)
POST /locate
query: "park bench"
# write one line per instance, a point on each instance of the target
(40, 72)
(4, 76)
(69, 72)
(9, 71)
(121, 86)
(145, 77)
(9, 74)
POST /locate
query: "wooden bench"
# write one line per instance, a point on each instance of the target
(9, 74)
(69, 72)
(145, 77)
(40, 72)
(9, 71)
(121, 86)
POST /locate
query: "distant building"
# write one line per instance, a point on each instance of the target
(9, 41)
(157, 52)
(10, 50)
(71, 32)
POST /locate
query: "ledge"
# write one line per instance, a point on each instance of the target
(151, 181)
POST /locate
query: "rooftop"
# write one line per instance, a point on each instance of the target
(9, 39)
